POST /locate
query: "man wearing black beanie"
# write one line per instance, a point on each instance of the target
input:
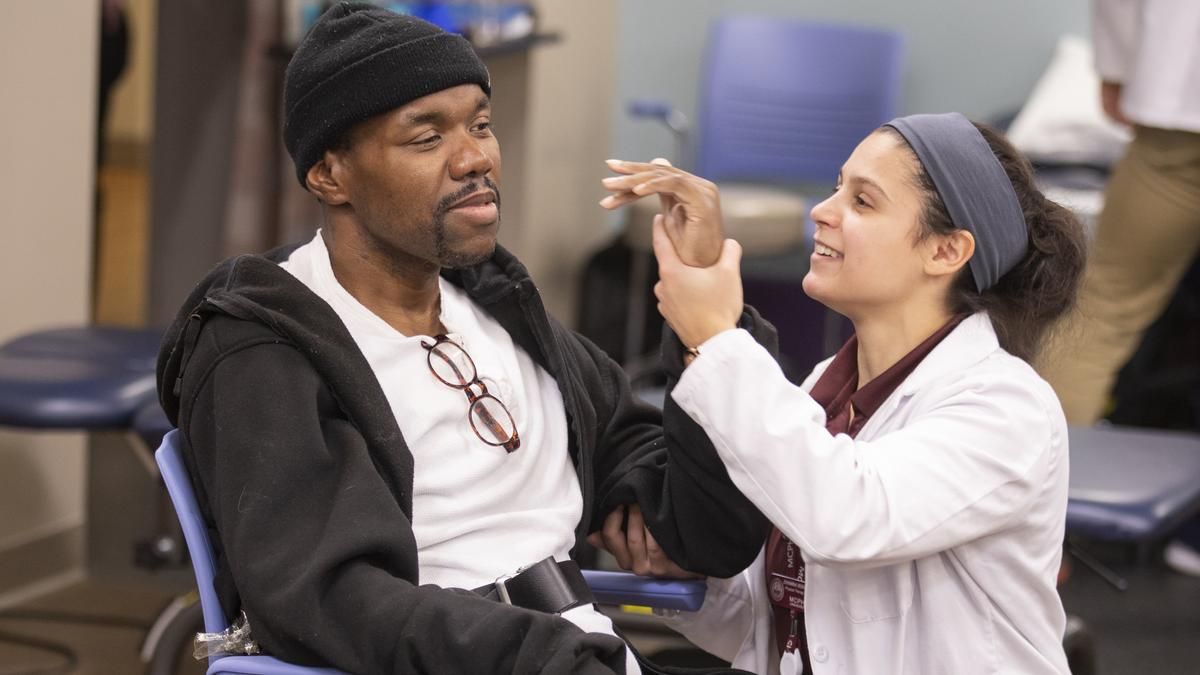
(384, 418)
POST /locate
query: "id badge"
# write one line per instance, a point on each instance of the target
(786, 586)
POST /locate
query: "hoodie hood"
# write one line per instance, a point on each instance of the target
(255, 288)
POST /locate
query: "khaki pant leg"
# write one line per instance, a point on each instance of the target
(1148, 235)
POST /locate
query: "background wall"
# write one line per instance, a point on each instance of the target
(552, 113)
(980, 58)
(568, 137)
(47, 124)
(131, 110)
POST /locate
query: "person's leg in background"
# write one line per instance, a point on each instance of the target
(1148, 235)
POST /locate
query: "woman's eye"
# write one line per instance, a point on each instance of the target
(859, 201)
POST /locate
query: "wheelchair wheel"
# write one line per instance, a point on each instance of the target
(172, 634)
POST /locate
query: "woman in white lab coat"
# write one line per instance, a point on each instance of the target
(917, 480)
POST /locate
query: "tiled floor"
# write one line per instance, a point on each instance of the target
(1151, 628)
(88, 628)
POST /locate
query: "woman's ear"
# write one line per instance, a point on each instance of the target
(324, 179)
(946, 254)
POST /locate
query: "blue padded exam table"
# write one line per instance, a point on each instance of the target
(1132, 484)
(89, 378)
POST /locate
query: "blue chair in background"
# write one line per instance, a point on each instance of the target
(1127, 485)
(619, 588)
(1132, 485)
(94, 379)
(786, 101)
(783, 103)
(90, 378)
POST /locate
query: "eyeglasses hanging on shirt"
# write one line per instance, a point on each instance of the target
(489, 417)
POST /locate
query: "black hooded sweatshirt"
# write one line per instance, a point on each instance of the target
(305, 480)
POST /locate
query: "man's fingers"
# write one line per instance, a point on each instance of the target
(659, 563)
(671, 183)
(621, 166)
(619, 199)
(629, 181)
(635, 535)
(624, 166)
(614, 538)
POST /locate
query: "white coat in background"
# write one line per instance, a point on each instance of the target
(1152, 47)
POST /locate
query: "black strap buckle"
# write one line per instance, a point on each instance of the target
(545, 586)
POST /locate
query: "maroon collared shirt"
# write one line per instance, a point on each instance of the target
(847, 409)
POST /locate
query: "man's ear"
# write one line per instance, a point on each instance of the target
(946, 254)
(324, 179)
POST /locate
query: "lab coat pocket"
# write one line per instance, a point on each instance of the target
(878, 593)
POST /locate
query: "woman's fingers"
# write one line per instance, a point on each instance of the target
(731, 255)
(664, 248)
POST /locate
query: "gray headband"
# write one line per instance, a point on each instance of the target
(975, 188)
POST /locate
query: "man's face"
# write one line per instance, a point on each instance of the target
(423, 180)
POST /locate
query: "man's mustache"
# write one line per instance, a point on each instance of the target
(466, 191)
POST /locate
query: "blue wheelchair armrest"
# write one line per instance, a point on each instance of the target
(626, 588)
(262, 665)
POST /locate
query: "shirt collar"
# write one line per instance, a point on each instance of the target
(840, 379)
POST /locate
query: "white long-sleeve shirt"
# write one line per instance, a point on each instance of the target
(1152, 47)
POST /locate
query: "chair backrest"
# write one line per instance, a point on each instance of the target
(195, 532)
(787, 101)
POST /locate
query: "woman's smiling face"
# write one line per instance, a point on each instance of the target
(866, 252)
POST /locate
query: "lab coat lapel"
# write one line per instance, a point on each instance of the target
(971, 342)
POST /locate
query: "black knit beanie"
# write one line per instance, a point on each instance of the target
(359, 61)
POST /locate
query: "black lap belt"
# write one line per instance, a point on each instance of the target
(546, 586)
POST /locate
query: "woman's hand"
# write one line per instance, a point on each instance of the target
(691, 206)
(634, 547)
(698, 303)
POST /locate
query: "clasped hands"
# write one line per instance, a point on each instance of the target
(700, 287)
(699, 295)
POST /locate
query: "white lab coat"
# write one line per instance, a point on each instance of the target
(932, 541)
(1153, 48)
